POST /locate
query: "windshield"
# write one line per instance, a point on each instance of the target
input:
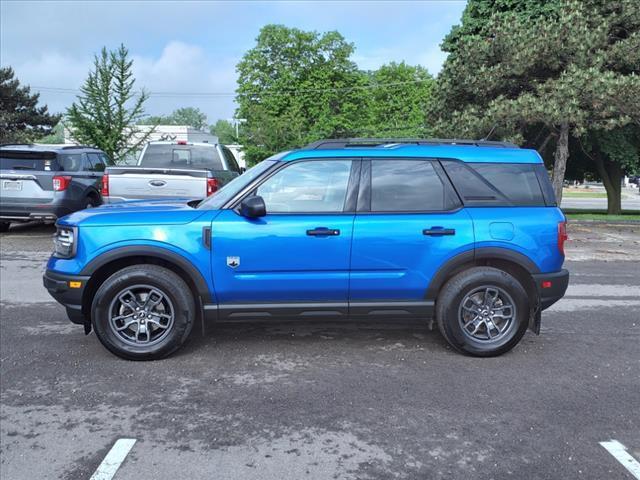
(222, 196)
(181, 156)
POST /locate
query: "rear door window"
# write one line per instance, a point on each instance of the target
(181, 156)
(497, 184)
(407, 186)
(97, 162)
(70, 162)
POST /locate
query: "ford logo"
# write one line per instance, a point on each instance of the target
(157, 183)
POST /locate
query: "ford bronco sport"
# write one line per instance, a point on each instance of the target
(464, 232)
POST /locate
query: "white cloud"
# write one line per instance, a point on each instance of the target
(180, 68)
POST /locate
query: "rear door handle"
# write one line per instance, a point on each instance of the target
(438, 231)
(323, 232)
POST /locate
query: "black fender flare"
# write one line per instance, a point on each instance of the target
(470, 256)
(157, 252)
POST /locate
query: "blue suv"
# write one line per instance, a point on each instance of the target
(464, 232)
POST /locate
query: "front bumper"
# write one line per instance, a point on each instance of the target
(551, 287)
(68, 290)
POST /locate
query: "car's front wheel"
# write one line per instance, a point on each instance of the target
(143, 312)
(4, 226)
(482, 311)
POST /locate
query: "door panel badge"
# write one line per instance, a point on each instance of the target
(233, 262)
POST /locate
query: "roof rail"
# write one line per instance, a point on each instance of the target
(16, 144)
(71, 147)
(376, 142)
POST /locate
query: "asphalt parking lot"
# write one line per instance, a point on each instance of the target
(328, 400)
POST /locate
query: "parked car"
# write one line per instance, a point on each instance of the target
(46, 182)
(178, 169)
(468, 233)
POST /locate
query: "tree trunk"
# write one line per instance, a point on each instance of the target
(611, 175)
(560, 156)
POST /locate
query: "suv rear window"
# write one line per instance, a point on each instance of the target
(181, 156)
(498, 184)
(27, 160)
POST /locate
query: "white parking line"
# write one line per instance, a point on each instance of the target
(619, 452)
(109, 466)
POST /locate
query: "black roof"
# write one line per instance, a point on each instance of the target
(336, 143)
(32, 147)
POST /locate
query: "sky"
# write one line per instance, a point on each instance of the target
(185, 51)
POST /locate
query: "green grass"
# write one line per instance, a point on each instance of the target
(601, 215)
(577, 194)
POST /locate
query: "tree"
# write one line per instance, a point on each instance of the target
(21, 120)
(190, 116)
(225, 131)
(295, 87)
(107, 110)
(56, 135)
(565, 72)
(399, 100)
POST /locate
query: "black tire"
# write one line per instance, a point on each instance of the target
(178, 300)
(4, 226)
(468, 286)
(91, 202)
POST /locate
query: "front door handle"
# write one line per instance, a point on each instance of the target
(438, 231)
(323, 232)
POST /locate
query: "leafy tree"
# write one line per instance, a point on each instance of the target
(107, 110)
(566, 72)
(295, 87)
(399, 100)
(56, 135)
(21, 120)
(190, 116)
(225, 131)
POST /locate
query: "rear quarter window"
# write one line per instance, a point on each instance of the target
(496, 184)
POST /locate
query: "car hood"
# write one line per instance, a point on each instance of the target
(136, 212)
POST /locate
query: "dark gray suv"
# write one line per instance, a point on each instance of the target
(45, 182)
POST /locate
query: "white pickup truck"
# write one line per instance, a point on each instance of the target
(177, 169)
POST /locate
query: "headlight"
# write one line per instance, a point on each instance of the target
(65, 242)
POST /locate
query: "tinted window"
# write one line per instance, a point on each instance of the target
(314, 186)
(181, 156)
(27, 160)
(71, 162)
(97, 162)
(495, 183)
(406, 186)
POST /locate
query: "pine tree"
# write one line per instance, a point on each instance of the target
(107, 110)
(21, 120)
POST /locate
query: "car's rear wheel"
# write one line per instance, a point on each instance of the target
(143, 312)
(4, 226)
(483, 311)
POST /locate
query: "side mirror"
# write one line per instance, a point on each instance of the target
(253, 207)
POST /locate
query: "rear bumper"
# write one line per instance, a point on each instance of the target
(59, 287)
(551, 287)
(24, 212)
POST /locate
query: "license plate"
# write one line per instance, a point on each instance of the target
(12, 185)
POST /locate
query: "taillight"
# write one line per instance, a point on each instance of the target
(61, 183)
(181, 142)
(104, 190)
(562, 236)
(212, 185)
